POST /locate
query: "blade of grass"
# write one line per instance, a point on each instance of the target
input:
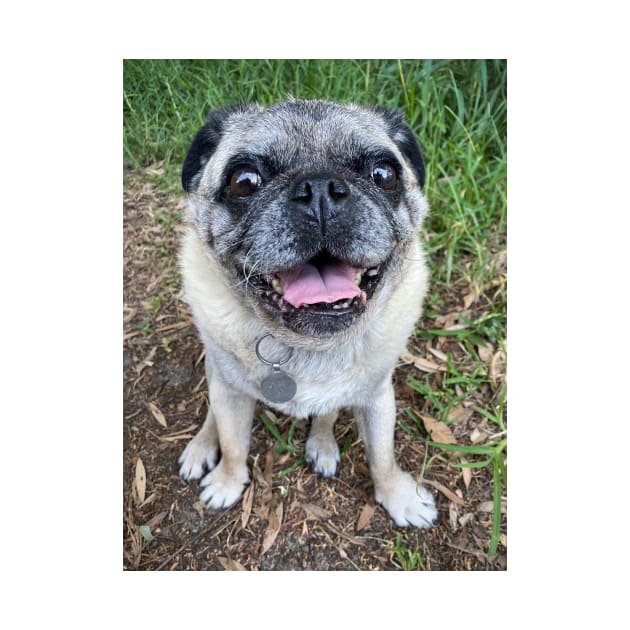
(496, 508)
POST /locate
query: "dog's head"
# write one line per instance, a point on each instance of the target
(308, 205)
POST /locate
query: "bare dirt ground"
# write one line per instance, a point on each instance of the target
(290, 519)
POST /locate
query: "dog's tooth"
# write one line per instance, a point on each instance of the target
(372, 272)
(277, 285)
(341, 305)
(358, 278)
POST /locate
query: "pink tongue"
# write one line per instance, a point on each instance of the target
(308, 284)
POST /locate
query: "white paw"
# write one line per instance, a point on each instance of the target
(223, 490)
(199, 456)
(407, 502)
(322, 455)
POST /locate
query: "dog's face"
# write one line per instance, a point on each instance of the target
(308, 206)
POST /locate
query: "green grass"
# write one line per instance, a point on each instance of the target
(407, 559)
(285, 444)
(458, 110)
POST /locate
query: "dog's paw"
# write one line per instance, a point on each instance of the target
(223, 490)
(322, 455)
(199, 456)
(407, 502)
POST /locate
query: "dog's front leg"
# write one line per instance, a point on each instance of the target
(407, 502)
(233, 413)
(202, 452)
(321, 451)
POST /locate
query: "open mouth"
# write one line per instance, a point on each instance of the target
(324, 286)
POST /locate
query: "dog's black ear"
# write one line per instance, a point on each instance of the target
(406, 141)
(204, 144)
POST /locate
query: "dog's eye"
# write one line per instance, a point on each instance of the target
(384, 176)
(245, 181)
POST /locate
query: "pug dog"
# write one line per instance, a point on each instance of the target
(302, 265)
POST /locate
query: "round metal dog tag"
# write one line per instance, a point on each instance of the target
(278, 387)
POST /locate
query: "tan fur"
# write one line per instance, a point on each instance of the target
(350, 369)
(341, 374)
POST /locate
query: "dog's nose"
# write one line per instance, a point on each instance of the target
(320, 197)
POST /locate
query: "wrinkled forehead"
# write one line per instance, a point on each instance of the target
(316, 136)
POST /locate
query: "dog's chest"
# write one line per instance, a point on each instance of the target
(323, 386)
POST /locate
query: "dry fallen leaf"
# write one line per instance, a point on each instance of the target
(438, 354)
(140, 481)
(485, 352)
(266, 484)
(366, 515)
(477, 436)
(453, 515)
(422, 364)
(315, 511)
(467, 476)
(257, 475)
(146, 362)
(248, 501)
(171, 327)
(497, 367)
(149, 499)
(157, 519)
(229, 564)
(130, 315)
(268, 472)
(488, 506)
(273, 528)
(157, 414)
(469, 517)
(471, 298)
(201, 357)
(173, 438)
(177, 435)
(450, 320)
(459, 413)
(455, 498)
(498, 262)
(438, 431)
